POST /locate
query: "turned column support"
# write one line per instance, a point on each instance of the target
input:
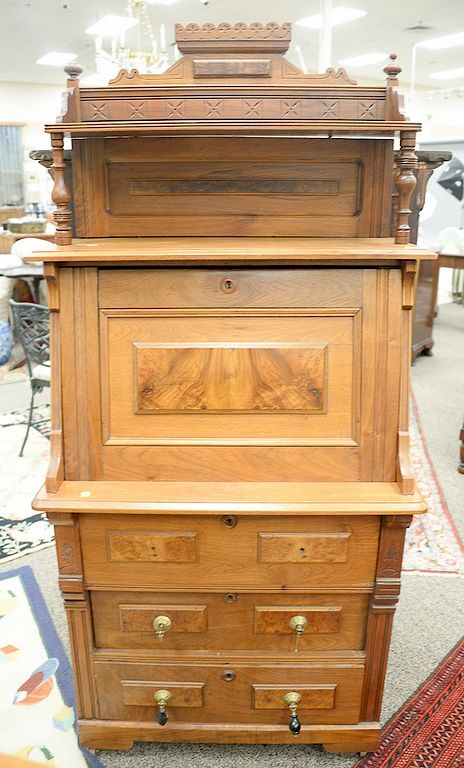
(405, 184)
(60, 193)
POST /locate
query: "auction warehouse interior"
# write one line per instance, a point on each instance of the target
(231, 384)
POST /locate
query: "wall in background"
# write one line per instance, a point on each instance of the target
(441, 114)
(32, 106)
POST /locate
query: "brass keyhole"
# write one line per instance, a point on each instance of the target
(229, 521)
(229, 675)
(228, 285)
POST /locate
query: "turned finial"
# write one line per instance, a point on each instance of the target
(73, 71)
(392, 70)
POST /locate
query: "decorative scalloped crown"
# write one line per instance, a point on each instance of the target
(270, 37)
(239, 31)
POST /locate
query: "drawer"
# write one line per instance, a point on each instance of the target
(285, 287)
(229, 621)
(231, 693)
(227, 551)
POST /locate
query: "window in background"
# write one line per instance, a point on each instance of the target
(11, 166)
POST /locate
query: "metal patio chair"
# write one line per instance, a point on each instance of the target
(32, 324)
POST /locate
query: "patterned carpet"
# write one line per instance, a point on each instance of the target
(37, 713)
(432, 542)
(428, 731)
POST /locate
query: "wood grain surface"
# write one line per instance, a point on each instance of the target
(218, 621)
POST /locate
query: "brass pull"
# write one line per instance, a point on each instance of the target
(298, 624)
(161, 698)
(162, 625)
(292, 700)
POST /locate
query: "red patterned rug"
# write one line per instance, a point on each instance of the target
(433, 544)
(428, 731)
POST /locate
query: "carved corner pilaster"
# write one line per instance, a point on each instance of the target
(55, 471)
(381, 611)
(405, 184)
(78, 610)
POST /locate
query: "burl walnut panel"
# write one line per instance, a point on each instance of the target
(193, 376)
(227, 377)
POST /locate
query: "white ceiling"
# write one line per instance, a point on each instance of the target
(31, 28)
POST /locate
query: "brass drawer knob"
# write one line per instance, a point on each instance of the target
(162, 625)
(161, 698)
(292, 700)
(298, 624)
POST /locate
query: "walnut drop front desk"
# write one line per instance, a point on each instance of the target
(229, 476)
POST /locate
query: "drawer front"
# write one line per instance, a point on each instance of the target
(229, 693)
(175, 288)
(229, 621)
(229, 552)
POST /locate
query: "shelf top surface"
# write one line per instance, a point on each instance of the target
(287, 498)
(194, 250)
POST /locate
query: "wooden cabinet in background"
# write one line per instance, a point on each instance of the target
(427, 277)
(229, 480)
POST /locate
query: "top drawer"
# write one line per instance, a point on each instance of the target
(285, 287)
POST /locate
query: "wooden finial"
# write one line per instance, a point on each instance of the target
(73, 71)
(392, 70)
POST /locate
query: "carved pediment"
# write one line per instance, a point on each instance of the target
(237, 37)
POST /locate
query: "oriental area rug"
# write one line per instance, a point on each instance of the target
(433, 544)
(428, 731)
(37, 710)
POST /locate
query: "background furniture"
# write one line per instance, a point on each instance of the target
(230, 481)
(31, 323)
(461, 461)
(427, 278)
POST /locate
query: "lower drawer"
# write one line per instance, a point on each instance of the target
(229, 621)
(215, 693)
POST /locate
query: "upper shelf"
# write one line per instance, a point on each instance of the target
(288, 251)
(233, 80)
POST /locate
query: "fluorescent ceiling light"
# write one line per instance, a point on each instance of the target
(338, 15)
(448, 41)
(363, 60)
(448, 74)
(54, 59)
(111, 26)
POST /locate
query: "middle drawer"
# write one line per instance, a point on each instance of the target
(229, 621)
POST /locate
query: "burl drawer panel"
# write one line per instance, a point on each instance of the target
(229, 621)
(231, 693)
(228, 552)
(269, 287)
